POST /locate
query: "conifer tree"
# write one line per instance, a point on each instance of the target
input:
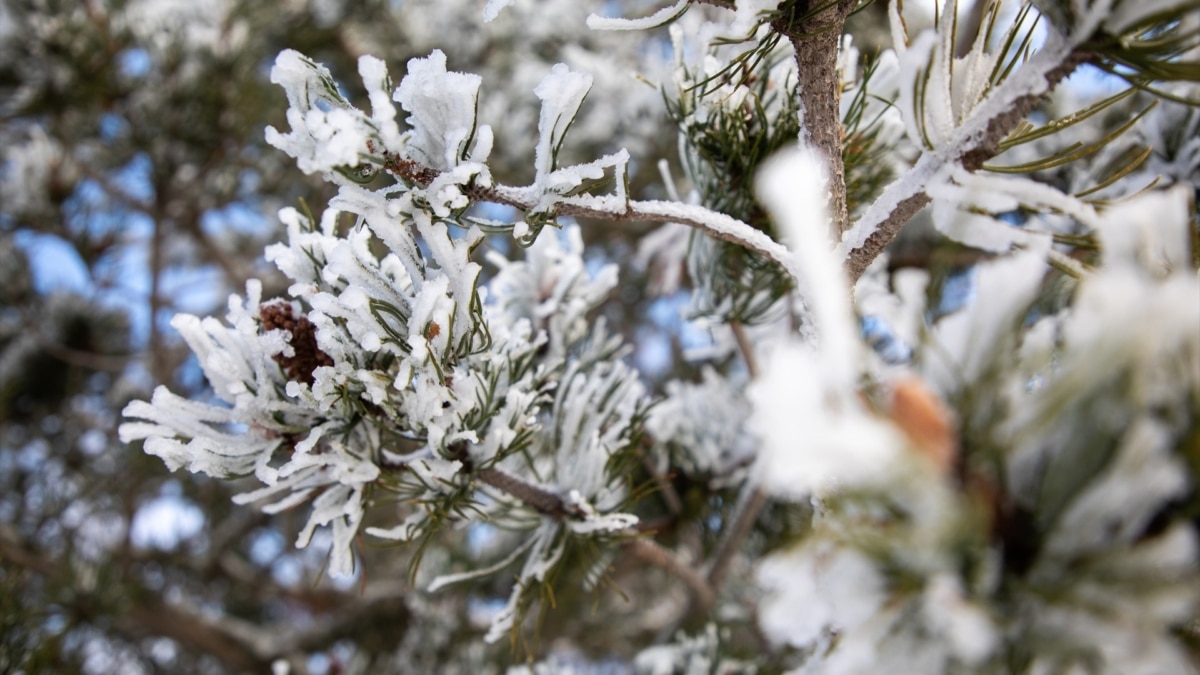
(974, 451)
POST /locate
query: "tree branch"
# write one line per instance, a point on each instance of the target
(538, 498)
(745, 512)
(241, 646)
(815, 27)
(656, 555)
(903, 199)
(713, 223)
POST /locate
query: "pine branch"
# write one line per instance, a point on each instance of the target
(551, 504)
(815, 29)
(903, 199)
(749, 504)
(713, 223)
(648, 551)
(750, 500)
(536, 497)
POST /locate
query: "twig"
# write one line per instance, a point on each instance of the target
(538, 498)
(887, 224)
(750, 500)
(669, 494)
(713, 223)
(746, 347)
(84, 359)
(658, 556)
(550, 504)
(749, 504)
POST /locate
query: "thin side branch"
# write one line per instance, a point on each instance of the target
(538, 498)
(745, 512)
(550, 504)
(713, 223)
(902, 199)
(746, 348)
(656, 555)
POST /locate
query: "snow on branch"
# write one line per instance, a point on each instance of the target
(958, 110)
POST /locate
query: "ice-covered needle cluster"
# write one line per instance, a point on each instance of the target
(389, 367)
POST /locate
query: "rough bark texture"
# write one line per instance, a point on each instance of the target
(815, 29)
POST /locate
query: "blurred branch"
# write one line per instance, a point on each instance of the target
(242, 646)
(656, 555)
(82, 359)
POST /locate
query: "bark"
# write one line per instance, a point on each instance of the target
(815, 29)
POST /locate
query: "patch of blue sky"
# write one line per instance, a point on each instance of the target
(654, 355)
(239, 217)
(55, 264)
(134, 178)
(134, 62)
(112, 127)
(124, 278)
(480, 538)
(880, 336)
(166, 520)
(266, 546)
(958, 290)
(288, 570)
(197, 290)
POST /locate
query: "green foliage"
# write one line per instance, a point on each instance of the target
(729, 123)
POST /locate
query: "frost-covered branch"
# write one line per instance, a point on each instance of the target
(712, 223)
(974, 142)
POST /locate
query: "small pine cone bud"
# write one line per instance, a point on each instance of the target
(302, 335)
(926, 421)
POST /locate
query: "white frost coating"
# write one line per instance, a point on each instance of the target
(1150, 231)
(966, 340)
(592, 414)
(443, 580)
(442, 108)
(547, 548)
(405, 531)
(898, 29)
(927, 171)
(946, 148)
(789, 187)
(494, 7)
(320, 140)
(816, 434)
(705, 422)
(561, 92)
(29, 168)
(965, 209)
(814, 589)
(722, 227)
(747, 15)
(597, 22)
(1130, 13)
(966, 629)
(383, 112)
(1120, 503)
